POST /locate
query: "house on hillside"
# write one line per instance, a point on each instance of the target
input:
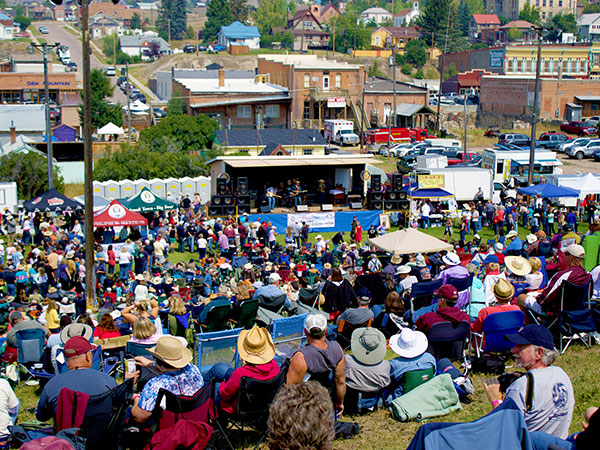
(142, 46)
(522, 26)
(239, 34)
(400, 36)
(59, 13)
(101, 25)
(324, 13)
(588, 27)
(375, 15)
(483, 27)
(307, 30)
(119, 11)
(6, 27)
(406, 16)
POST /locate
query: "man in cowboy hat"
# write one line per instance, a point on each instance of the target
(453, 269)
(515, 245)
(504, 293)
(516, 270)
(406, 280)
(79, 377)
(256, 349)
(178, 375)
(446, 311)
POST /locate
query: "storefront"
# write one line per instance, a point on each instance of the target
(29, 87)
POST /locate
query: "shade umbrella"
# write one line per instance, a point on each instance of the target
(110, 129)
(146, 201)
(547, 190)
(51, 200)
(116, 215)
(408, 241)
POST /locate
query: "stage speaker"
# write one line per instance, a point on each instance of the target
(217, 200)
(215, 210)
(327, 207)
(265, 209)
(242, 185)
(356, 205)
(375, 200)
(243, 200)
(376, 204)
(404, 205)
(228, 200)
(376, 182)
(221, 186)
(229, 210)
(390, 205)
(243, 209)
(302, 208)
(376, 196)
(392, 195)
(402, 195)
(396, 182)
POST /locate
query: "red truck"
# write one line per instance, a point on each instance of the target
(399, 135)
(579, 128)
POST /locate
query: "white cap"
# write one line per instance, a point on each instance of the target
(499, 247)
(511, 233)
(575, 250)
(274, 278)
(315, 321)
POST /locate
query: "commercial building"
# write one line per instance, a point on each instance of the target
(164, 79)
(272, 142)
(547, 8)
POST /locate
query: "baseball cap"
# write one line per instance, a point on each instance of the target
(274, 278)
(447, 291)
(532, 334)
(77, 345)
(575, 250)
(490, 259)
(315, 321)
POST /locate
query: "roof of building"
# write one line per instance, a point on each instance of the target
(283, 136)
(588, 19)
(272, 149)
(380, 84)
(486, 19)
(238, 30)
(111, 10)
(412, 32)
(405, 12)
(303, 12)
(409, 109)
(242, 101)
(519, 24)
(22, 117)
(286, 161)
(231, 85)
(137, 41)
(588, 98)
(310, 62)
(5, 17)
(375, 10)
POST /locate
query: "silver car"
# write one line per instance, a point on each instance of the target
(585, 149)
(578, 141)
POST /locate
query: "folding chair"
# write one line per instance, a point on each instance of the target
(308, 296)
(576, 318)
(254, 399)
(447, 339)
(216, 347)
(137, 349)
(274, 304)
(30, 348)
(216, 318)
(288, 336)
(544, 249)
(495, 327)
(461, 284)
(345, 329)
(421, 294)
(113, 353)
(358, 402)
(246, 314)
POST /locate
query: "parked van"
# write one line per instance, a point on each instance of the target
(443, 142)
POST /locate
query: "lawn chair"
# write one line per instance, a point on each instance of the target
(421, 294)
(447, 339)
(495, 327)
(544, 249)
(216, 347)
(30, 349)
(217, 318)
(308, 297)
(137, 349)
(576, 318)
(288, 336)
(461, 284)
(274, 304)
(246, 314)
(345, 330)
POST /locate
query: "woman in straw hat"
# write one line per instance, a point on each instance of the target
(257, 350)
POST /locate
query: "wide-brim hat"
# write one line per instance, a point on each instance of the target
(409, 343)
(248, 266)
(511, 233)
(48, 232)
(76, 329)
(517, 265)
(255, 346)
(503, 290)
(368, 345)
(171, 351)
(139, 277)
(396, 259)
(531, 238)
(451, 259)
(156, 280)
(420, 261)
(327, 265)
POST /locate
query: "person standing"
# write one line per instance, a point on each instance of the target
(425, 212)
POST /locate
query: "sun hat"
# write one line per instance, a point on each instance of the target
(396, 259)
(402, 269)
(503, 290)
(420, 261)
(575, 250)
(171, 351)
(511, 233)
(47, 232)
(368, 345)
(157, 280)
(319, 237)
(139, 277)
(77, 345)
(490, 259)
(531, 238)
(447, 291)
(248, 266)
(409, 343)
(451, 259)
(315, 321)
(532, 334)
(327, 265)
(76, 329)
(255, 346)
(499, 246)
(517, 265)
(70, 254)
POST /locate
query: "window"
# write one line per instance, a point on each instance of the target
(307, 24)
(377, 41)
(338, 80)
(560, 3)
(537, 3)
(544, 14)
(244, 111)
(244, 150)
(272, 111)
(325, 82)
(306, 112)
(550, 3)
(544, 3)
(306, 80)
(307, 151)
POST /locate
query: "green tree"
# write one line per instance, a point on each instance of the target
(349, 33)
(103, 112)
(591, 8)
(23, 22)
(406, 69)
(374, 70)
(439, 21)
(419, 75)
(135, 22)
(30, 172)
(416, 52)
(176, 105)
(450, 71)
(464, 17)
(173, 17)
(530, 13)
(514, 34)
(189, 33)
(271, 13)
(239, 10)
(218, 14)
(561, 23)
(190, 133)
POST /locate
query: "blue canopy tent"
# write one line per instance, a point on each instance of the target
(436, 193)
(547, 190)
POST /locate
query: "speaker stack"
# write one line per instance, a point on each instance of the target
(223, 203)
(243, 195)
(375, 194)
(396, 198)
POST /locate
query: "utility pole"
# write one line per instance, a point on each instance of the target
(334, 38)
(302, 39)
(114, 39)
(536, 107)
(437, 119)
(128, 107)
(362, 120)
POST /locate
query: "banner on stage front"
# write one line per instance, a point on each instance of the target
(313, 220)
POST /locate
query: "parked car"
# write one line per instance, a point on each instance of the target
(72, 66)
(521, 140)
(579, 128)
(201, 48)
(110, 71)
(457, 156)
(121, 80)
(43, 29)
(594, 120)
(141, 97)
(552, 140)
(189, 48)
(492, 131)
(571, 142)
(54, 113)
(411, 158)
(159, 112)
(586, 149)
(596, 155)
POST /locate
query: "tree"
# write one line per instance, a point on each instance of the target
(239, 10)
(189, 33)
(464, 18)
(419, 75)
(450, 71)
(102, 111)
(30, 172)
(514, 34)
(270, 13)
(189, 133)
(218, 14)
(172, 17)
(176, 104)
(438, 21)
(23, 22)
(406, 69)
(530, 13)
(135, 22)
(562, 23)
(591, 8)
(416, 52)
(374, 70)
(350, 33)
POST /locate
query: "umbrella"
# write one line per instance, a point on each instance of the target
(547, 190)
(116, 215)
(51, 200)
(408, 241)
(110, 129)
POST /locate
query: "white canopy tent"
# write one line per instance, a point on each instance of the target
(408, 241)
(586, 184)
(110, 129)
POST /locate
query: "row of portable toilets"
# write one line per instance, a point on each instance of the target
(176, 187)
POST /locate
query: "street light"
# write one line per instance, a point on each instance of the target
(46, 49)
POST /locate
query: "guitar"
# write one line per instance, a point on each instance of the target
(296, 193)
(270, 194)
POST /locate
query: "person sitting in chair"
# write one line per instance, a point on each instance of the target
(357, 316)
(504, 293)
(446, 311)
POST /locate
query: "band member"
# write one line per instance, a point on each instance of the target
(321, 191)
(296, 193)
(271, 196)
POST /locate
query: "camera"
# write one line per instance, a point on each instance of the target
(506, 379)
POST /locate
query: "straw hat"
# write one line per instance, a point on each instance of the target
(171, 351)
(409, 343)
(139, 277)
(531, 238)
(396, 259)
(517, 265)
(255, 346)
(76, 329)
(47, 232)
(368, 345)
(327, 265)
(248, 266)
(503, 290)
(157, 280)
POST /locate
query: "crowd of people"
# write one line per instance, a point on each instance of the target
(360, 303)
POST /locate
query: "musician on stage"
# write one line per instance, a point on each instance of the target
(271, 195)
(321, 191)
(296, 193)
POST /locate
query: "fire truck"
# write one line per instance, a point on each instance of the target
(398, 135)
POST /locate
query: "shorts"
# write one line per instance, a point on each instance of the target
(532, 303)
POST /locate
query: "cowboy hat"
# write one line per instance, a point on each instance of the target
(51, 290)
(248, 266)
(408, 343)
(396, 259)
(517, 265)
(171, 351)
(503, 290)
(368, 346)
(511, 233)
(70, 254)
(327, 265)
(255, 346)
(47, 232)
(531, 238)
(139, 277)
(451, 259)
(76, 329)
(157, 280)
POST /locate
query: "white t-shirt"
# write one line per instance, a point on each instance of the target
(124, 257)
(8, 400)
(425, 210)
(202, 242)
(141, 292)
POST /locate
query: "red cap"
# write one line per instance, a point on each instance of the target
(77, 345)
(448, 291)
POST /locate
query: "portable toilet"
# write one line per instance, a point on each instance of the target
(173, 187)
(127, 188)
(139, 184)
(203, 188)
(158, 187)
(98, 188)
(188, 186)
(112, 190)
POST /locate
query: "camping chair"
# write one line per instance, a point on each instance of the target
(62, 363)
(345, 329)
(288, 336)
(544, 249)
(137, 349)
(461, 284)
(421, 294)
(357, 402)
(274, 304)
(254, 399)
(113, 353)
(216, 318)
(495, 327)
(447, 339)
(576, 318)
(30, 349)
(216, 347)
(308, 296)
(246, 314)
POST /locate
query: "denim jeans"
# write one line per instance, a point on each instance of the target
(542, 441)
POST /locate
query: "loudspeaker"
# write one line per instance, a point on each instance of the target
(376, 204)
(221, 186)
(265, 209)
(327, 207)
(376, 182)
(376, 196)
(396, 182)
(229, 210)
(217, 200)
(215, 210)
(302, 208)
(402, 195)
(404, 205)
(243, 200)
(375, 200)
(243, 209)
(355, 205)
(392, 195)
(242, 185)
(390, 205)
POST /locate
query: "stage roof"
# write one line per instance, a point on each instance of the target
(283, 161)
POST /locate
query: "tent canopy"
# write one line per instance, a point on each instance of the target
(51, 200)
(146, 201)
(110, 129)
(586, 184)
(408, 241)
(430, 193)
(99, 202)
(116, 215)
(547, 190)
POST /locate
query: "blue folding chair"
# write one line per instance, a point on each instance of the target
(544, 272)
(137, 349)
(288, 336)
(216, 347)
(576, 318)
(30, 349)
(422, 293)
(544, 249)
(495, 327)
(461, 284)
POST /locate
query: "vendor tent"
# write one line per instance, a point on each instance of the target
(438, 194)
(98, 201)
(116, 215)
(408, 241)
(110, 129)
(51, 200)
(146, 201)
(586, 185)
(546, 190)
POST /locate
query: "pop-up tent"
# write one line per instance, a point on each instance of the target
(408, 241)
(437, 194)
(116, 215)
(585, 185)
(547, 190)
(99, 202)
(110, 129)
(146, 201)
(51, 200)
